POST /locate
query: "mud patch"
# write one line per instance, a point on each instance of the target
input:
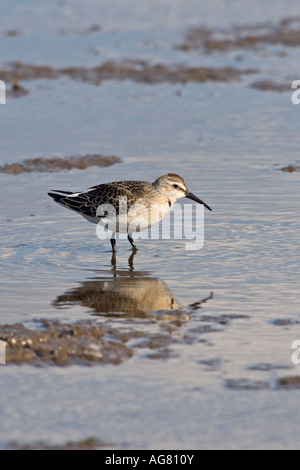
(136, 70)
(289, 383)
(267, 367)
(13, 33)
(290, 168)
(222, 319)
(17, 90)
(211, 364)
(94, 28)
(284, 322)
(87, 444)
(285, 33)
(246, 384)
(57, 164)
(56, 343)
(269, 85)
(162, 354)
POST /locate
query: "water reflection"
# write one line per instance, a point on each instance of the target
(134, 293)
(130, 260)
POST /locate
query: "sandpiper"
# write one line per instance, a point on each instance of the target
(127, 206)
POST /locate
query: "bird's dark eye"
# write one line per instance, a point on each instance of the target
(175, 186)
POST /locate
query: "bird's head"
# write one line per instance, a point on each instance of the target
(173, 187)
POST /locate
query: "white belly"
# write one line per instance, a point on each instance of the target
(139, 218)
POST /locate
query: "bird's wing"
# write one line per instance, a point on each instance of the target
(89, 202)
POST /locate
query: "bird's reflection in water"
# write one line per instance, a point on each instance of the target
(130, 261)
(116, 292)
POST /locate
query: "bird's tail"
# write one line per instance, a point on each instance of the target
(58, 197)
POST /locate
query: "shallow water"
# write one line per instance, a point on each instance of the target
(212, 382)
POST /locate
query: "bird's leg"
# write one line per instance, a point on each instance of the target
(132, 242)
(113, 242)
(131, 258)
(114, 262)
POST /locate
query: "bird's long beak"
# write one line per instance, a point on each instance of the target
(190, 195)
